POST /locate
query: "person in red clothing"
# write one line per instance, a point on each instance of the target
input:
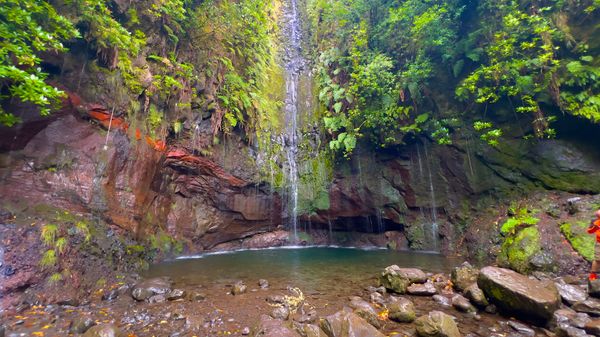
(595, 229)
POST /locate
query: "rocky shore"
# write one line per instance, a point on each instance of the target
(470, 302)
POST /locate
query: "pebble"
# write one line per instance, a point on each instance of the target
(245, 331)
(263, 284)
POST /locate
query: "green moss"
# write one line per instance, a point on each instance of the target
(522, 217)
(518, 249)
(580, 240)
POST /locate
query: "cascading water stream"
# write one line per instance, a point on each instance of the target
(294, 65)
(434, 224)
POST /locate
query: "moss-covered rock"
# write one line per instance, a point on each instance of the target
(519, 249)
(579, 239)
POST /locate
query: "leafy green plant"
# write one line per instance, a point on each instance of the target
(522, 218)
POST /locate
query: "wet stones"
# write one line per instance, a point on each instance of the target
(422, 289)
(263, 284)
(443, 300)
(464, 276)
(437, 324)
(476, 295)
(399, 279)
(239, 288)
(401, 310)
(103, 330)
(517, 293)
(461, 303)
(346, 324)
(81, 325)
(176, 294)
(148, 288)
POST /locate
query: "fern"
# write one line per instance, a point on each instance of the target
(61, 244)
(48, 235)
(55, 278)
(48, 259)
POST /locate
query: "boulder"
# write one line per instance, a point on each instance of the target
(570, 294)
(422, 289)
(476, 295)
(437, 324)
(463, 276)
(443, 300)
(103, 330)
(345, 324)
(154, 286)
(363, 309)
(519, 294)
(590, 306)
(461, 303)
(398, 279)
(401, 310)
(269, 327)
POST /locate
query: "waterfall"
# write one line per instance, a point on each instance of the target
(434, 225)
(294, 65)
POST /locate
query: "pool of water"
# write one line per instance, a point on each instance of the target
(312, 268)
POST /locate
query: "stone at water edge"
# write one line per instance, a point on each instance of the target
(401, 310)
(176, 294)
(519, 294)
(461, 303)
(239, 288)
(347, 324)
(103, 330)
(363, 309)
(476, 295)
(398, 279)
(437, 324)
(263, 284)
(422, 289)
(269, 327)
(154, 286)
(463, 276)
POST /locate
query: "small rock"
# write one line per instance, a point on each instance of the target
(281, 313)
(245, 331)
(437, 324)
(377, 298)
(276, 299)
(401, 310)
(309, 317)
(81, 325)
(476, 295)
(424, 289)
(464, 276)
(268, 327)
(522, 328)
(570, 293)
(589, 306)
(111, 295)
(565, 330)
(176, 294)
(462, 304)
(573, 205)
(197, 296)
(443, 300)
(239, 288)
(263, 284)
(103, 330)
(593, 327)
(160, 298)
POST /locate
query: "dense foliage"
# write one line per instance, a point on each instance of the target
(383, 66)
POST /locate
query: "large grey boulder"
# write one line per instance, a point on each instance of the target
(398, 279)
(516, 293)
(347, 324)
(437, 324)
